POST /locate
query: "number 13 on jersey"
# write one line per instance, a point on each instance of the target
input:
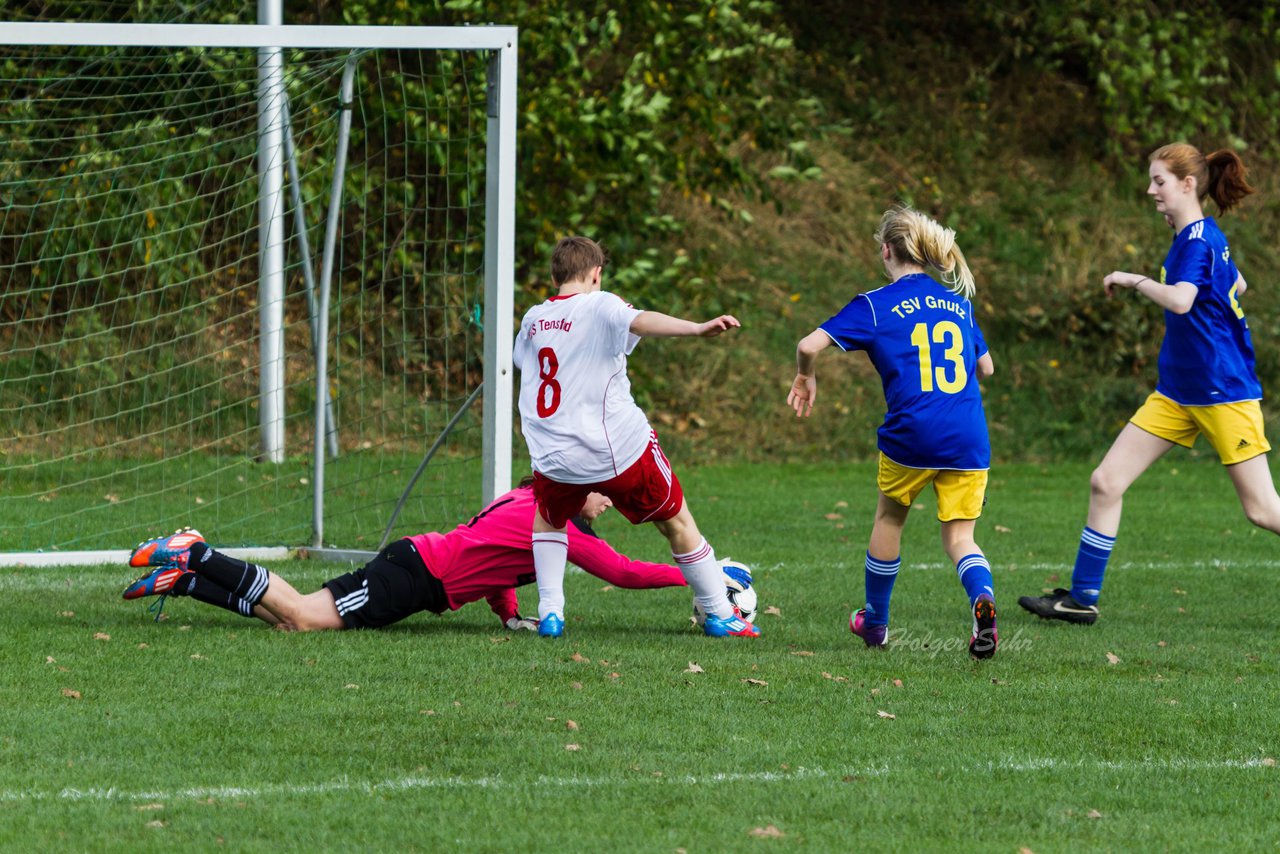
(948, 334)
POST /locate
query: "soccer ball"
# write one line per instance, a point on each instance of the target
(742, 593)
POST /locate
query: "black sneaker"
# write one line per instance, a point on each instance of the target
(1059, 605)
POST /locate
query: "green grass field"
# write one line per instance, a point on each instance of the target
(1155, 729)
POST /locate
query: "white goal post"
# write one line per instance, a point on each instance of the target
(90, 533)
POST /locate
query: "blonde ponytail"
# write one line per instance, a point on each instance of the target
(916, 238)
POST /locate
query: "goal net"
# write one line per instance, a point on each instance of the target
(220, 243)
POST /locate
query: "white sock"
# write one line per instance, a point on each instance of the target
(550, 552)
(702, 571)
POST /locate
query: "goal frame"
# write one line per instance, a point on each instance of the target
(500, 174)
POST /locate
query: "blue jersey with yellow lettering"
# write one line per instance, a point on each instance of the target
(924, 341)
(1207, 354)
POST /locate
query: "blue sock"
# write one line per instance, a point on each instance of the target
(975, 575)
(1091, 565)
(880, 575)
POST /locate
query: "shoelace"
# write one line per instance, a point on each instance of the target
(157, 607)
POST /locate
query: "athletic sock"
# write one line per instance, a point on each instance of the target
(247, 581)
(701, 569)
(879, 576)
(550, 553)
(1091, 566)
(211, 593)
(975, 575)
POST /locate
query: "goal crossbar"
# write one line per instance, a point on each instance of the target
(258, 35)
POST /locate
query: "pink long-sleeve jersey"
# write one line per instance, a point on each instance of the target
(491, 555)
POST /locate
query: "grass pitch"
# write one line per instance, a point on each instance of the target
(1154, 729)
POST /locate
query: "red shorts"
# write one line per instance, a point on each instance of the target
(648, 491)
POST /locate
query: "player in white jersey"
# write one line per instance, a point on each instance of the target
(586, 434)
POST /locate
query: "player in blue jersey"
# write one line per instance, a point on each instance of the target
(922, 337)
(1207, 380)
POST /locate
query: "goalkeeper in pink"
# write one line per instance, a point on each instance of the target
(486, 558)
(587, 435)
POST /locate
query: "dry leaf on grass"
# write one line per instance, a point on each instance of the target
(897, 683)
(1003, 530)
(773, 611)
(882, 713)
(573, 747)
(693, 668)
(156, 823)
(759, 682)
(49, 659)
(1093, 814)
(833, 516)
(580, 658)
(802, 652)
(102, 636)
(71, 692)
(148, 807)
(1112, 658)
(613, 675)
(766, 832)
(570, 724)
(66, 613)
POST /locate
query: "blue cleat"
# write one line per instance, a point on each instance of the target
(873, 636)
(169, 550)
(157, 582)
(551, 626)
(729, 627)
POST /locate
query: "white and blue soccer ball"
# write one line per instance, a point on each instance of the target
(738, 585)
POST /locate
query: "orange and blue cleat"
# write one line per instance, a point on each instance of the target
(171, 549)
(157, 582)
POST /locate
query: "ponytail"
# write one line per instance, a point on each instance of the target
(1227, 184)
(916, 238)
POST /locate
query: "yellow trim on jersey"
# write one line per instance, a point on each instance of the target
(961, 494)
(1235, 430)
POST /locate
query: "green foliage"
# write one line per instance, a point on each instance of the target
(1205, 73)
(622, 107)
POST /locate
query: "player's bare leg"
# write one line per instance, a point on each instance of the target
(1257, 492)
(1132, 453)
(292, 611)
(886, 531)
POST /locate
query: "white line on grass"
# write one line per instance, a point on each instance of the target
(113, 794)
(46, 578)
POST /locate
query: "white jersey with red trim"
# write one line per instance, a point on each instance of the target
(576, 410)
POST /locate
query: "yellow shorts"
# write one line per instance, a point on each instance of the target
(1234, 429)
(961, 494)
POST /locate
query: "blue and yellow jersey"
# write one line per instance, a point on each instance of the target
(1207, 354)
(924, 341)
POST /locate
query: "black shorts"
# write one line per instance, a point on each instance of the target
(392, 586)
